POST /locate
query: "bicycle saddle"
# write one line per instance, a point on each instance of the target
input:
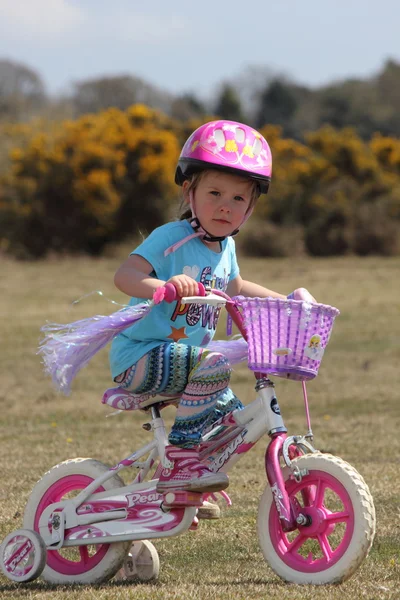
(122, 399)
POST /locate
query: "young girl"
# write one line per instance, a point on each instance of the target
(223, 168)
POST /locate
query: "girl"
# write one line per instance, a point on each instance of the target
(223, 168)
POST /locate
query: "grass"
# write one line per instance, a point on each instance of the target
(354, 408)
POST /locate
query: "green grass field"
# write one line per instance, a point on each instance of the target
(354, 406)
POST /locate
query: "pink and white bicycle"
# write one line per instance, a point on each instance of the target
(316, 517)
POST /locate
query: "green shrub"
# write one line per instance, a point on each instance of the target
(267, 239)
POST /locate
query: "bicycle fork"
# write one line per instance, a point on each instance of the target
(280, 446)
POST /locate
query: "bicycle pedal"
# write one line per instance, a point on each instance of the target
(182, 498)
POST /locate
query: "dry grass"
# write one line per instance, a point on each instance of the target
(354, 406)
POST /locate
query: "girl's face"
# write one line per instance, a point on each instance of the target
(221, 202)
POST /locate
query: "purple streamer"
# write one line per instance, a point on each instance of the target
(67, 348)
(234, 350)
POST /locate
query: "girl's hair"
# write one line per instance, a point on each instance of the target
(194, 180)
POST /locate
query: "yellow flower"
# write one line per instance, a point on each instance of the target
(231, 146)
(248, 151)
(16, 154)
(194, 146)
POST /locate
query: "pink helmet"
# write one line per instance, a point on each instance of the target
(228, 146)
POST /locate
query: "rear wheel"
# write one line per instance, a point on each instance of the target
(141, 562)
(339, 529)
(80, 564)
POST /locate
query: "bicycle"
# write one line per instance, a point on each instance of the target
(316, 517)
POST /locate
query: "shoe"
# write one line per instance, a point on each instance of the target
(208, 511)
(182, 470)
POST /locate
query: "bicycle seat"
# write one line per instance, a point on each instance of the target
(122, 399)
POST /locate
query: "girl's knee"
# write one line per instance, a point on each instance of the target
(212, 368)
(212, 363)
(217, 360)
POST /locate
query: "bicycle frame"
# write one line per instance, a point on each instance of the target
(136, 511)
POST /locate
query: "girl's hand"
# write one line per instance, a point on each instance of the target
(184, 285)
(302, 294)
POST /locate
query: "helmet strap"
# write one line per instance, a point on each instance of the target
(206, 237)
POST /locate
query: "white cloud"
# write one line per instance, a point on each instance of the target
(62, 21)
(148, 29)
(42, 20)
(132, 26)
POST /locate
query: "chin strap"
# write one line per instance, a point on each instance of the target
(207, 237)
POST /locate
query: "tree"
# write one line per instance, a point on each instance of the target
(187, 107)
(388, 84)
(22, 91)
(250, 85)
(95, 95)
(228, 104)
(278, 104)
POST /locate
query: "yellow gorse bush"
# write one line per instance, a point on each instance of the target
(76, 185)
(91, 181)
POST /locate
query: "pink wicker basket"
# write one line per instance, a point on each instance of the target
(286, 338)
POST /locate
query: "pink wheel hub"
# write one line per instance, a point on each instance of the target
(320, 522)
(68, 565)
(319, 545)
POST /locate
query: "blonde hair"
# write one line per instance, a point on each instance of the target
(186, 213)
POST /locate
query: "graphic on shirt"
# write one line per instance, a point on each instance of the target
(177, 334)
(194, 312)
(191, 271)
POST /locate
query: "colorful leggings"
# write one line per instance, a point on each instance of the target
(200, 377)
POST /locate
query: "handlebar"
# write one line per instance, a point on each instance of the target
(168, 293)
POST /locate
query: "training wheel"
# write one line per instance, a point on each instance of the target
(23, 555)
(141, 562)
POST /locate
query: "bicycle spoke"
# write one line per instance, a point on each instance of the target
(297, 543)
(325, 547)
(320, 493)
(338, 517)
(83, 551)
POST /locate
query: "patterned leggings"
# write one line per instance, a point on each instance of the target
(200, 377)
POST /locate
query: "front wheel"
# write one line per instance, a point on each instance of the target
(339, 529)
(80, 564)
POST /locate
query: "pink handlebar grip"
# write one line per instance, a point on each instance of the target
(168, 293)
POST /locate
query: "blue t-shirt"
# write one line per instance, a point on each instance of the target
(192, 324)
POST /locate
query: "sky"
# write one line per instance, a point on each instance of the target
(195, 46)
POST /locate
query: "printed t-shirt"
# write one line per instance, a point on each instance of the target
(193, 324)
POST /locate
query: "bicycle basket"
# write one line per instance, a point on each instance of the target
(286, 338)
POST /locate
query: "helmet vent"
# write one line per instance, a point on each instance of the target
(257, 146)
(240, 135)
(219, 137)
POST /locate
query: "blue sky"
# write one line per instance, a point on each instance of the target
(196, 45)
